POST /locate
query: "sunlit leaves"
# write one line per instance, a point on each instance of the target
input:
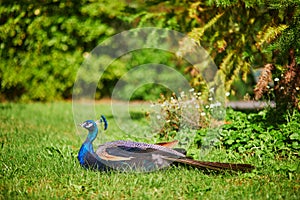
(271, 33)
(42, 46)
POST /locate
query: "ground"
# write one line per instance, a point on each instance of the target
(39, 145)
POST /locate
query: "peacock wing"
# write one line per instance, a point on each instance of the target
(136, 156)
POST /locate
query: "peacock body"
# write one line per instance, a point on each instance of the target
(137, 156)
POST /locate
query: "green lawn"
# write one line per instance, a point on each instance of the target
(39, 145)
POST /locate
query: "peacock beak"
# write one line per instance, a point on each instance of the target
(81, 125)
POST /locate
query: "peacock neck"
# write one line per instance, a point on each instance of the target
(90, 138)
(87, 146)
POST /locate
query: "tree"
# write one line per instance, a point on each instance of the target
(241, 36)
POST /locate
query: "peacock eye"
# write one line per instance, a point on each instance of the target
(89, 125)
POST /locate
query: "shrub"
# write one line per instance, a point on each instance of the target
(189, 111)
(262, 133)
(43, 44)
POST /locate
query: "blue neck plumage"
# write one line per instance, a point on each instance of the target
(87, 146)
(91, 136)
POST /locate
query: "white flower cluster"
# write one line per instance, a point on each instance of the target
(188, 110)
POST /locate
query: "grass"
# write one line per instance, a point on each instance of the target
(39, 146)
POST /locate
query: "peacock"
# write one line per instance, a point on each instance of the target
(138, 156)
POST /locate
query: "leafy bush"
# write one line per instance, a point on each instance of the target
(240, 36)
(148, 74)
(43, 44)
(262, 133)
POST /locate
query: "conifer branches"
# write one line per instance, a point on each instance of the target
(270, 34)
(197, 33)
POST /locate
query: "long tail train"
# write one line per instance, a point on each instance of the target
(214, 165)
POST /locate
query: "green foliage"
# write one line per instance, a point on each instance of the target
(146, 70)
(239, 35)
(160, 13)
(43, 44)
(231, 38)
(263, 133)
(271, 39)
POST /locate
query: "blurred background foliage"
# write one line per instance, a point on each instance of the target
(44, 42)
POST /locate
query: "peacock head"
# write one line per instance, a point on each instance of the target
(90, 125)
